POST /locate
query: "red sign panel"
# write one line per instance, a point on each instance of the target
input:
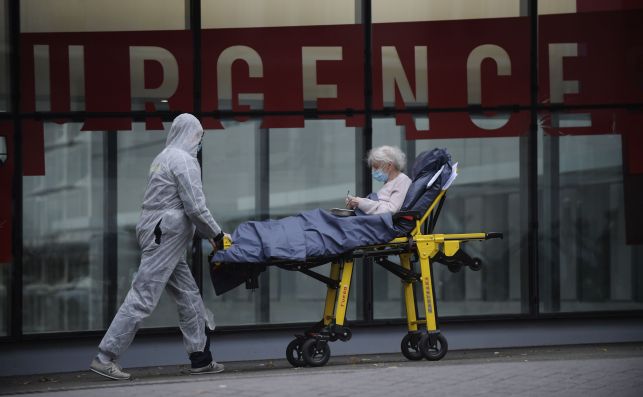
(585, 58)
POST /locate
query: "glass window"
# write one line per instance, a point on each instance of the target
(590, 259)
(63, 243)
(464, 60)
(272, 174)
(136, 150)
(251, 13)
(5, 101)
(435, 10)
(486, 197)
(4, 297)
(229, 182)
(311, 167)
(84, 56)
(572, 52)
(94, 16)
(7, 157)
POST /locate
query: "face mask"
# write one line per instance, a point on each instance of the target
(379, 175)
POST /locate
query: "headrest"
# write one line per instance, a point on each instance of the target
(432, 171)
(429, 161)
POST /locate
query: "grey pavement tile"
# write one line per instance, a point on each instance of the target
(564, 371)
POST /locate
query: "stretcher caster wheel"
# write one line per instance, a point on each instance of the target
(342, 333)
(294, 353)
(316, 352)
(476, 264)
(436, 351)
(410, 347)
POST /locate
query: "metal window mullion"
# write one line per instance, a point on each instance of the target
(364, 144)
(16, 270)
(532, 165)
(262, 212)
(194, 24)
(110, 236)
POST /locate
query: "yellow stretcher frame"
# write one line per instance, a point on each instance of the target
(423, 339)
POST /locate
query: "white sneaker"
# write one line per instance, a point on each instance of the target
(110, 370)
(212, 368)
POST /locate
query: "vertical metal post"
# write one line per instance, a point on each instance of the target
(364, 143)
(15, 277)
(532, 165)
(550, 255)
(262, 212)
(110, 242)
(194, 23)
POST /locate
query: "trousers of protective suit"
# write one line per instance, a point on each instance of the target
(163, 266)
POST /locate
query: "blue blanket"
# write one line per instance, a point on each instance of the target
(309, 234)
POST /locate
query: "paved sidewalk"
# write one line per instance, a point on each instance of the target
(588, 370)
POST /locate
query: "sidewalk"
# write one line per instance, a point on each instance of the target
(586, 370)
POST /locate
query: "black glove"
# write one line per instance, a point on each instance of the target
(218, 240)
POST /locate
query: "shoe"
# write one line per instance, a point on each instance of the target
(212, 368)
(110, 370)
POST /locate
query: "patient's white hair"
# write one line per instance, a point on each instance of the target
(387, 154)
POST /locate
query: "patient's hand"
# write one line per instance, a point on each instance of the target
(352, 202)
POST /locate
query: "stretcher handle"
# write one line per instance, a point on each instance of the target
(491, 235)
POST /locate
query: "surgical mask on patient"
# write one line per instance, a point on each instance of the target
(379, 175)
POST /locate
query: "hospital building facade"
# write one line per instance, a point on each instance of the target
(539, 102)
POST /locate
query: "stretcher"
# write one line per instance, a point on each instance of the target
(417, 252)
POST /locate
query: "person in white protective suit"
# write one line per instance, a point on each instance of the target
(173, 205)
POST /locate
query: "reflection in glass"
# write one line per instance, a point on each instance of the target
(251, 13)
(63, 231)
(229, 169)
(441, 10)
(310, 168)
(93, 16)
(135, 151)
(4, 298)
(272, 174)
(585, 262)
(4, 57)
(485, 197)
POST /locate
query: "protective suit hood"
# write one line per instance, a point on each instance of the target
(185, 133)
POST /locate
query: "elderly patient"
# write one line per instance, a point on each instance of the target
(387, 163)
(319, 235)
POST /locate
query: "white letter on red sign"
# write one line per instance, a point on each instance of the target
(474, 82)
(558, 87)
(42, 78)
(309, 58)
(393, 76)
(140, 95)
(254, 100)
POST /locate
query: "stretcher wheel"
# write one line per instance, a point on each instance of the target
(476, 264)
(294, 353)
(410, 347)
(434, 353)
(316, 352)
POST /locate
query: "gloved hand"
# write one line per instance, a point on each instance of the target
(217, 241)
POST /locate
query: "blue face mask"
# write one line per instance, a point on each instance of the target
(379, 175)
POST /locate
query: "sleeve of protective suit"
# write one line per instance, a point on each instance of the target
(188, 176)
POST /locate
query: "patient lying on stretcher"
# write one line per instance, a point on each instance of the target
(318, 233)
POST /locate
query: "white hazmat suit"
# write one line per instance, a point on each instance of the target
(173, 205)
